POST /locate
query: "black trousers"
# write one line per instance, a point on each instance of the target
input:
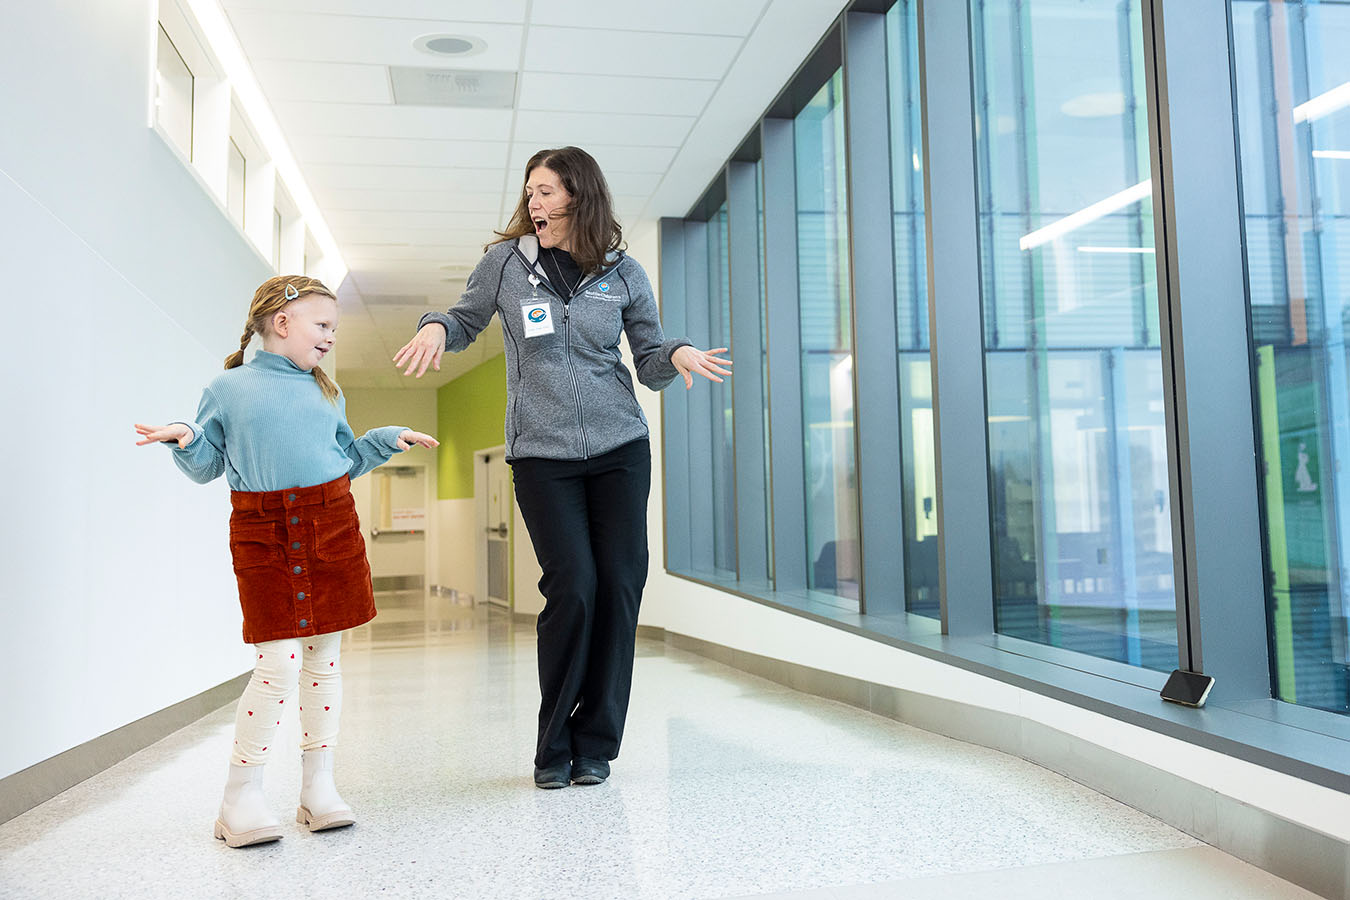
(588, 522)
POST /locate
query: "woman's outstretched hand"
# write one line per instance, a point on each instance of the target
(705, 362)
(425, 349)
(407, 437)
(154, 434)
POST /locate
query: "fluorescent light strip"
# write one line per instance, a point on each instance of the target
(1323, 104)
(1331, 154)
(1115, 250)
(1088, 214)
(221, 37)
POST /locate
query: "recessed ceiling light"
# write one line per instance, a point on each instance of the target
(450, 44)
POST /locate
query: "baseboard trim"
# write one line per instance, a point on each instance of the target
(1284, 848)
(651, 633)
(42, 781)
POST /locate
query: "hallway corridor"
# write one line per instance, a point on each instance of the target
(728, 786)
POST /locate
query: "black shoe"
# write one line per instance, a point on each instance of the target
(589, 771)
(553, 777)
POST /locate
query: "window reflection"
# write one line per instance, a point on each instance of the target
(1293, 90)
(918, 471)
(764, 360)
(719, 335)
(1077, 439)
(833, 564)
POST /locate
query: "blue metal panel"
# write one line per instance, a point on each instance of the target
(674, 403)
(965, 566)
(1207, 375)
(872, 269)
(747, 385)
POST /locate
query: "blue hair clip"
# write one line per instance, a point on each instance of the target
(291, 292)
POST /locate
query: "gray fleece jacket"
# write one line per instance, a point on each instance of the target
(568, 394)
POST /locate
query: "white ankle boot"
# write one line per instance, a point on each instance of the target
(244, 817)
(320, 805)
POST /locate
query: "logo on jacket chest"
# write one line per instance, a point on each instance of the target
(603, 291)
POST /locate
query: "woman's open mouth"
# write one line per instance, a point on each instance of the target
(540, 225)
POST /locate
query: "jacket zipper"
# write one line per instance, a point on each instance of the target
(567, 341)
(576, 391)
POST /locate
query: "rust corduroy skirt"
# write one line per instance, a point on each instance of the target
(300, 561)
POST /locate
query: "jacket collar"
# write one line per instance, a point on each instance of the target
(527, 250)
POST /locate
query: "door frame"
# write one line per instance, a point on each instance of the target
(481, 459)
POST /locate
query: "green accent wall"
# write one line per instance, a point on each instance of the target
(469, 414)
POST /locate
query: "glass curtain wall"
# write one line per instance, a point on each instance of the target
(723, 460)
(1077, 441)
(831, 490)
(918, 471)
(764, 360)
(1293, 90)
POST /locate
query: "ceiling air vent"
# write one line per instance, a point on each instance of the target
(416, 86)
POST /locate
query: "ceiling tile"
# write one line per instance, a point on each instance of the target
(633, 183)
(345, 218)
(363, 266)
(598, 51)
(611, 158)
(509, 11)
(554, 129)
(729, 17)
(409, 201)
(604, 93)
(784, 37)
(402, 178)
(284, 80)
(267, 34)
(461, 237)
(383, 151)
(434, 254)
(389, 121)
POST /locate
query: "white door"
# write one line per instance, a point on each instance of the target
(494, 527)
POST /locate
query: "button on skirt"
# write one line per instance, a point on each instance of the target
(300, 561)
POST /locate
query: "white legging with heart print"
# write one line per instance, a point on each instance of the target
(311, 664)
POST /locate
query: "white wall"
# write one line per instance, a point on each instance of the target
(125, 287)
(456, 548)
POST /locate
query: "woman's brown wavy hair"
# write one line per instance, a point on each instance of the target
(593, 232)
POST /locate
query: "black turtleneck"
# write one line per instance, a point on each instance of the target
(559, 264)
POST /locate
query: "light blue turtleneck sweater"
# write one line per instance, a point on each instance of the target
(268, 427)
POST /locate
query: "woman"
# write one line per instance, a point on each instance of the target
(576, 438)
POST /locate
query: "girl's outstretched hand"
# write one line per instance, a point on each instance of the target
(705, 362)
(154, 434)
(407, 437)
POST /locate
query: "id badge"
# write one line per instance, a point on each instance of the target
(537, 317)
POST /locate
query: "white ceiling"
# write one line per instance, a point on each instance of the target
(660, 93)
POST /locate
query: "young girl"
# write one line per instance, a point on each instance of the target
(277, 427)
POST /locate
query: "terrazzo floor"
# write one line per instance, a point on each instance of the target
(728, 786)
